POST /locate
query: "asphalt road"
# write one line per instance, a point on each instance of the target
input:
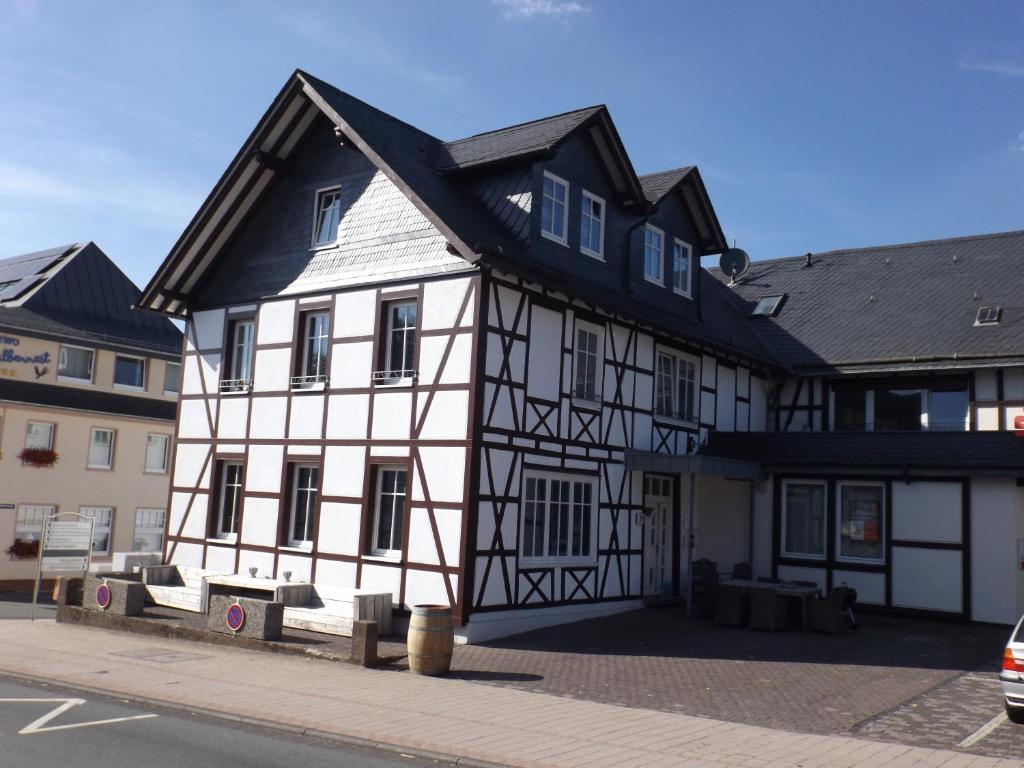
(18, 605)
(171, 738)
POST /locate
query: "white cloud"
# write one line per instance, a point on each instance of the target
(1017, 145)
(526, 9)
(1007, 66)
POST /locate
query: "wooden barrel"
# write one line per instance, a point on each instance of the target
(430, 640)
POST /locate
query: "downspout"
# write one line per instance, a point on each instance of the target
(627, 283)
(689, 545)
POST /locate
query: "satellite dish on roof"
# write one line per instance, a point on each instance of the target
(734, 262)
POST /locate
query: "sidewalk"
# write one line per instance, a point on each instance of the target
(453, 717)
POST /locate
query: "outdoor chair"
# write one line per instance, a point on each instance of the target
(768, 610)
(829, 614)
(741, 571)
(732, 606)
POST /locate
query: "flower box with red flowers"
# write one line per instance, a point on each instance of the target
(23, 549)
(38, 457)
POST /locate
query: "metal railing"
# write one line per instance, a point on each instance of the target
(308, 382)
(235, 385)
(393, 377)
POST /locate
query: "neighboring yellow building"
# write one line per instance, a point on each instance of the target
(88, 391)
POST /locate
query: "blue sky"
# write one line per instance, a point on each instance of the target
(815, 125)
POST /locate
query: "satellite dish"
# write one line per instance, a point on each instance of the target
(734, 262)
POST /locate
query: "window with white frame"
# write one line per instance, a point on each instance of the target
(587, 363)
(675, 386)
(682, 259)
(400, 343)
(554, 209)
(328, 217)
(28, 525)
(39, 435)
(592, 225)
(861, 520)
(315, 345)
(75, 363)
(129, 372)
(389, 510)
(229, 498)
(102, 527)
(803, 519)
(305, 479)
(149, 530)
(156, 453)
(172, 378)
(558, 518)
(241, 335)
(101, 448)
(654, 251)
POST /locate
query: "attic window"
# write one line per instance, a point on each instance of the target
(328, 216)
(768, 306)
(988, 316)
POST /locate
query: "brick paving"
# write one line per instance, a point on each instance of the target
(656, 659)
(456, 717)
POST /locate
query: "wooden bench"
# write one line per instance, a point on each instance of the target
(332, 610)
(178, 586)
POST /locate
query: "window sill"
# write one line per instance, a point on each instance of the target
(592, 254)
(320, 386)
(590, 405)
(803, 556)
(652, 281)
(395, 383)
(100, 469)
(564, 562)
(859, 561)
(323, 246)
(381, 558)
(664, 418)
(224, 541)
(129, 387)
(234, 392)
(564, 242)
(73, 380)
(299, 550)
(154, 471)
(684, 294)
(171, 394)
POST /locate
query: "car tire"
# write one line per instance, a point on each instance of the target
(1015, 714)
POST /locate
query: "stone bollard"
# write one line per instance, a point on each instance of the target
(260, 619)
(364, 643)
(121, 598)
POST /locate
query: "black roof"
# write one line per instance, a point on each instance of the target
(78, 293)
(657, 185)
(513, 141)
(15, 391)
(892, 450)
(880, 307)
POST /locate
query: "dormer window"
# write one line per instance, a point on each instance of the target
(592, 225)
(682, 255)
(328, 216)
(554, 209)
(654, 250)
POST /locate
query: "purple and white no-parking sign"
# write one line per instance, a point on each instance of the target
(103, 595)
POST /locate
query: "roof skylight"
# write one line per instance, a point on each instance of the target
(988, 316)
(768, 306)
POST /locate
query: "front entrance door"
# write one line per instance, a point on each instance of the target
(657, 535)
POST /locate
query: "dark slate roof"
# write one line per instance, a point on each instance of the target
(86, 400)
(878, 307)
(657, 185)
(514, 141)
(894, 450)
(86, 299)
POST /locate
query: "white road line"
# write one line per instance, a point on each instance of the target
(984, 731)
(40, 725)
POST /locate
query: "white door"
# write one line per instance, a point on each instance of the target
(657, 535)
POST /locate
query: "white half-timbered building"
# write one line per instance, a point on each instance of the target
(489, 373)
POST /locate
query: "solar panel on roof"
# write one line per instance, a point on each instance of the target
(13, 290)
(30, 264)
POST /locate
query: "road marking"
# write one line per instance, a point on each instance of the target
(984, 731)
(40, 725)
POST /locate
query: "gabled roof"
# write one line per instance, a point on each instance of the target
(515, 141)
(75, 292)
(893, 306)
(426, 169)
(657, 185)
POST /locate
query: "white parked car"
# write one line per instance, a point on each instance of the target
(1012, 674)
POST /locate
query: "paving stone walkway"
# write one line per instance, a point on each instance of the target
(451, 716)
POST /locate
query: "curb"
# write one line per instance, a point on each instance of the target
(295, 730)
